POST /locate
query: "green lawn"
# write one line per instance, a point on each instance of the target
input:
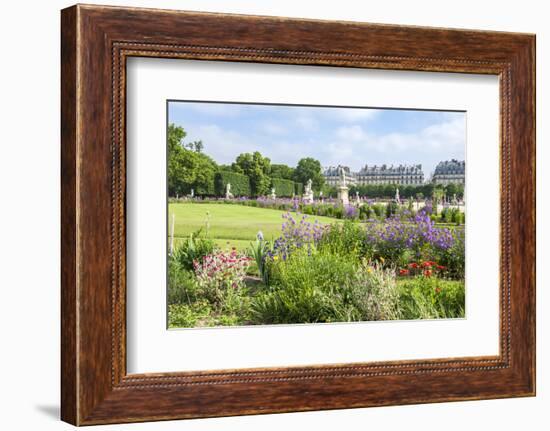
(230, 225)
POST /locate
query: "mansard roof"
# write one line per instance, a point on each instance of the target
(452, 166)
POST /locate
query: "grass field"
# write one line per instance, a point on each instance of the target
(230, 225)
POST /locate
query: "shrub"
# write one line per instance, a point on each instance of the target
(347, 238)
(188, 315)
(240, 184)
(192, 249)
(304, 289)
(299, 189)
(297, 233)
(374, 294)
(326, 287)
(283, 188)
(431, 298)
(182, 285)
(396, 240)
(220, 276)
(454, 257)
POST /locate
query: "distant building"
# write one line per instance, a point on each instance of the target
(384, 174)
(450, 172)
(333, 174)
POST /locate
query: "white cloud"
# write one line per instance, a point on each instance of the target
(355, 146)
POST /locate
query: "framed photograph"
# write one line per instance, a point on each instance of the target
(265, 215)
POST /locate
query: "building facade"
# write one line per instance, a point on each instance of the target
(333, 175)
(383, 174)
(450, 172)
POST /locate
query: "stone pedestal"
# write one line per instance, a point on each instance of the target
(343, 195)
(307, 198)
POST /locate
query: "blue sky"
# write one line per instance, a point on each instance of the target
(348, 136)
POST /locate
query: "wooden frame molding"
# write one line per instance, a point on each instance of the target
(95, 43)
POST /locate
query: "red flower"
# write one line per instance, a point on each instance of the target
(426, 264)
(413, 265)
(438, 290)
(403, 272)
(441, 267)
(428, 273)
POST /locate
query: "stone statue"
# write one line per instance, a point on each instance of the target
(309, 185)
(342, 177)
(308, 192)
(192, 193)
(273, 195)
(343, 190)
(397, 195)
(357, 198)
(228, 194)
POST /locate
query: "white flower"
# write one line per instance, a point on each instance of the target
(260, 236)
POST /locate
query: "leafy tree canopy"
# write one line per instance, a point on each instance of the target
(309, 168)
(257, 168)
(282, 171)
(188, 167)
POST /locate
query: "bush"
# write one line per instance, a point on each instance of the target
(374, 294)
(182, 285)
(192, 249)
(347, 238)
(326, 287)
(283, 188)
(220, 277)
(240, 184)
(304, 289)
(431, 298)
(454, 258)
(299, 189)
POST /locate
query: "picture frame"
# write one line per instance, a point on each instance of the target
(96, 42)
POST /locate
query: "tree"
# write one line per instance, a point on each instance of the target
(282, 171)
(188, 168)
(309, 169)
(257, 168)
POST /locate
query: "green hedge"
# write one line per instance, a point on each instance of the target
(299, 189)
(283, 188)
(240, 184)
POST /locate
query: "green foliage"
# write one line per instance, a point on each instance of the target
(325, 287)
(283, 188)
(347, 238)
(374, 294)
(417, 192)
(189, 315)
(192, 249)
(303, 290)
(240, 184)
(431, 298)
(298, 189)
(188, 168)
(259, 252)
(391, 209)
(257, 168)
(309, 168)
(282, 171)
(182, 284)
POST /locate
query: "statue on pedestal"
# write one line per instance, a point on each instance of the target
(343, 195)
(308, 192)
(397, 199)
(228, 194)
(273, 195)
